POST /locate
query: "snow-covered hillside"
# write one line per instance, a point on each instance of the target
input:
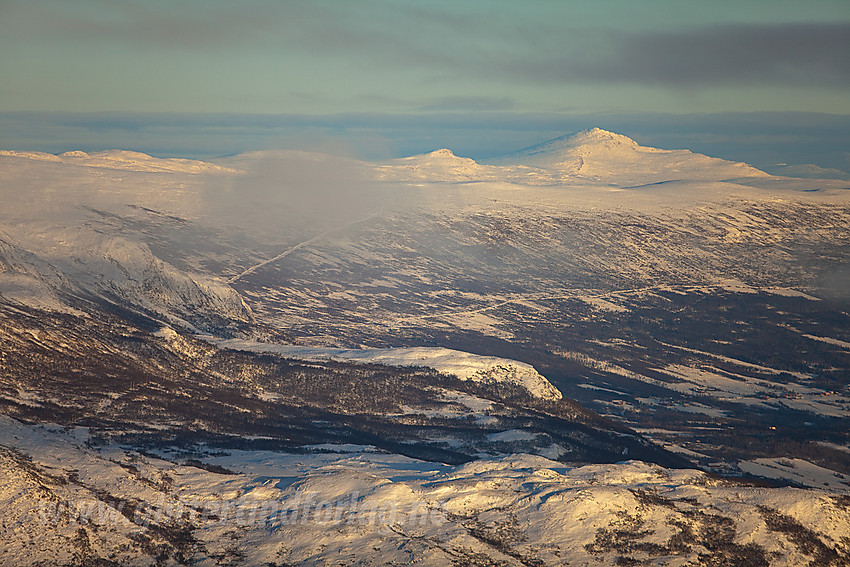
(392, 352)
(76, 224)
(464, 365)
(65, 502)
(122, 160)
(437, 166)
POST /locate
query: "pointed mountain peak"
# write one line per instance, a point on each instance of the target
(442, 153)
(442, 156)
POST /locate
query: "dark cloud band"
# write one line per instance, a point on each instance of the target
(800, 54)
(456, 44)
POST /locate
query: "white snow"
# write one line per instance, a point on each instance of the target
(57, 232)
(166, 333)
(440, 165)
(602, 156)
(798, 470)
(723, 385)
(788, 292)
(464, 365)
(593, 156)
(829, 340)
(123, 160)
(346, 503)
(512, 435)
(371, 508)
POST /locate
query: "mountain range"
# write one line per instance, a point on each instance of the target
(584, 351)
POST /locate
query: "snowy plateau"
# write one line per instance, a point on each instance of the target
(586, 352)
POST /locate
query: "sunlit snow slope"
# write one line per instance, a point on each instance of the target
(291, 358)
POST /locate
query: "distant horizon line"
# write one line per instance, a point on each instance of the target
(420, 114)
(763, 138)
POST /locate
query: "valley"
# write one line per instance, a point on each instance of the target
(585, 351)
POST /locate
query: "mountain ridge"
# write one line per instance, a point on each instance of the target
(594, 156)
(602, 155)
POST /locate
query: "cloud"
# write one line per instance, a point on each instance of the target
(470, 104)
(797, 54)
(454, 49)
(306, 192)
(450, 43)
(141, 23)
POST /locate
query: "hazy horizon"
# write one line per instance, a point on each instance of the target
(763, 82)
(761, 139)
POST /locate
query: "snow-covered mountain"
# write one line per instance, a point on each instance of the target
(602, 156)
(122, 160)
(70, 229)
(593, 156)
(437, 166)
(193, 352)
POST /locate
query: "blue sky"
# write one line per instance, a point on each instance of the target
(421, 58)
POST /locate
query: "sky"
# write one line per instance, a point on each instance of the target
(493, 60)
